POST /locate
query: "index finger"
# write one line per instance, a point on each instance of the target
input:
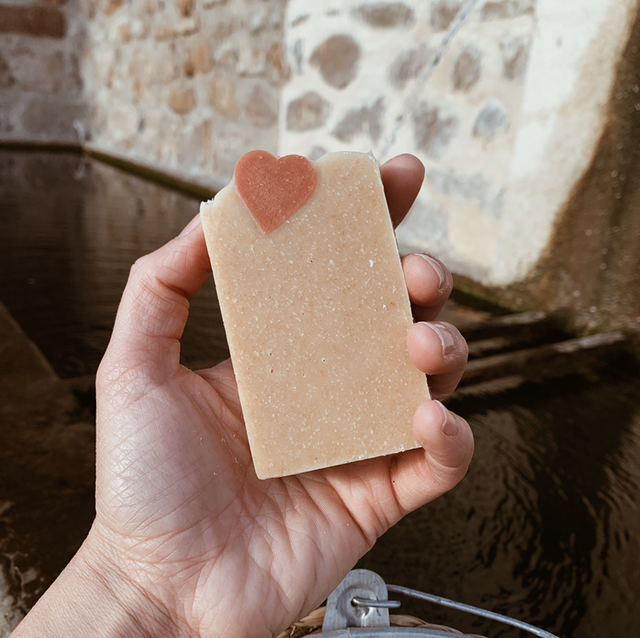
(402, 178)
(154, 307)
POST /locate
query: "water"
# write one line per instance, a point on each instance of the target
(70, 231)
(546, 525)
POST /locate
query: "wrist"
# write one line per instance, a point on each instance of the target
(92, 597)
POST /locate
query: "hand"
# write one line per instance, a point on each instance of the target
(187, 541)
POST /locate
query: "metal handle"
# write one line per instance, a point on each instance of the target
(359, 608)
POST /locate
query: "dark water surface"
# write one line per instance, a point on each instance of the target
(70, 231)
(545, 527)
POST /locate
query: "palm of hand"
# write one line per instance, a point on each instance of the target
(167, 509)
(180, 511)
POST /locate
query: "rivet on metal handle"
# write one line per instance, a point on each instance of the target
(343, 610)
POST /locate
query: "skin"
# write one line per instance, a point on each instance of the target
(186, 540)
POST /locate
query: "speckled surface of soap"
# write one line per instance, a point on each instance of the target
(315, 310)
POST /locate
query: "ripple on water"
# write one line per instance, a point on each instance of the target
(546, 525)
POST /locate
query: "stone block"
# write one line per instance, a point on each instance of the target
(262, 107)
(515, 57)
(366, 120)
(227, 56)
(182, 99)
(221, 93)
(111, 6)
(185, 7)
(122, 122)
(385, 15)
(308, 112)
(50, 119)
(38, 21)
(443, 12)
(123, 31)
(502, 9)
(492, 120)
(39, 73)
(163, 68)
(104, 61)
(89, 8)
(152, 64)
(251, 62)
(434, 128)
(152, 7)
(277, 68)
(337, 60)
(409, 64)
(169, 30)
(138, 29)
(467, 68)
(197, 59)
(195, 147)
(258, 20)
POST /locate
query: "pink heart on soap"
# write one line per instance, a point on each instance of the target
(274, 188)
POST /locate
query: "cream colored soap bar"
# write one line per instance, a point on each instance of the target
(315, 310)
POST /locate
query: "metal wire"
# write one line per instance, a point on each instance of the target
(470, 609)
(424, 76)
(359, 601)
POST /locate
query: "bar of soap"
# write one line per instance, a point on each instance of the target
(315, 309)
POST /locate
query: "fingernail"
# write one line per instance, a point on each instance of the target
(436, 265)
(449, 426)
(192, 225)
(447, 339)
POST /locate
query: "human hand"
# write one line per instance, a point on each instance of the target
(187, 541)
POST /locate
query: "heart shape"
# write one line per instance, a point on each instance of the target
(274, 188)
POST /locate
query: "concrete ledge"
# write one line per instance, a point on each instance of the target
(36, 145)
(169, 179)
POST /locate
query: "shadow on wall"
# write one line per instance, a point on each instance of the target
(591, 268)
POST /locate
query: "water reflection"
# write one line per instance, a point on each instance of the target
(71, 228)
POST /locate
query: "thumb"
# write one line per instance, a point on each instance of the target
(154, 307)
(447, 442)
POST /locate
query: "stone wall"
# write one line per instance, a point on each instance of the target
(355, 70)
(40, 75)
(506, 124)
(187, 86)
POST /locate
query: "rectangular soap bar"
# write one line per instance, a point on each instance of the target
(315, 309)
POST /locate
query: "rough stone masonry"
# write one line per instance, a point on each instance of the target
(506, 125)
